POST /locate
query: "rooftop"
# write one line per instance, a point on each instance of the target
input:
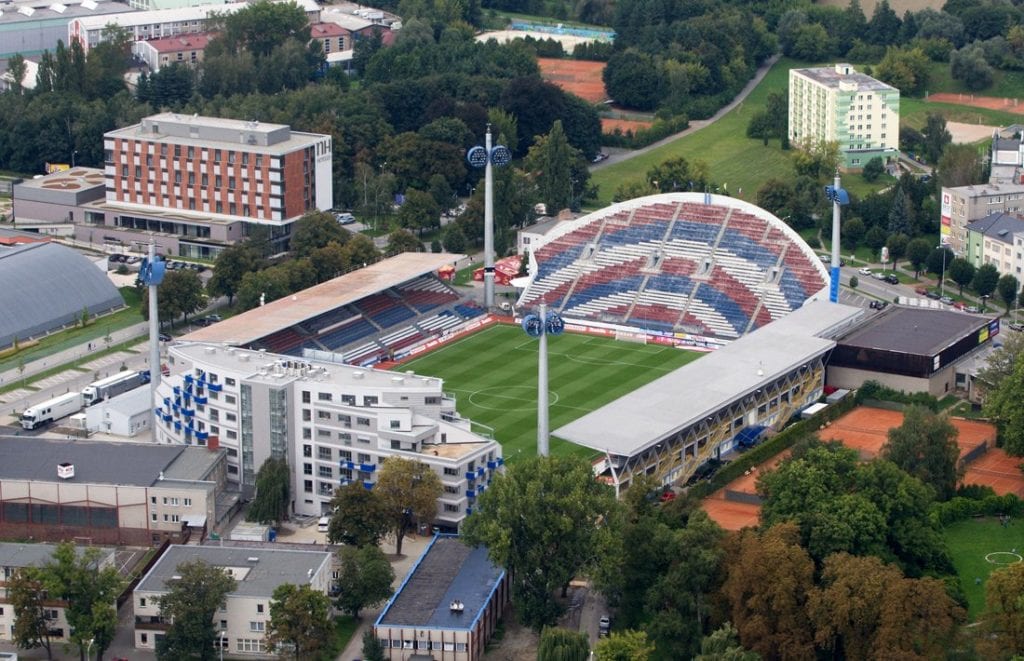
(920, 331)
(133, 18)
(324, 30)
(16, 554)
(217, 133)
(308, 303)
(831, 77)
(998, 226)
(677, 400)
(74, 179)
(102, 462)
(447, 571)
(257, 571)
(197, 41)
(63, 11)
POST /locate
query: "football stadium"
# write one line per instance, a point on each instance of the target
(696, 322)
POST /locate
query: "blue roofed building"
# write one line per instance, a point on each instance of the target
(447, 607)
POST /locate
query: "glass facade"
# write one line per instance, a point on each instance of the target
(278, 423)
(248, 460)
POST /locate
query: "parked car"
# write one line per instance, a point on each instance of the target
(213, 318)
(892, 279)
(878, 305)
(921, 291)
(1016, 327)
(600, 157)
(947, 300)
(344, 217)
(878, 275)
(933, 294)
(865, 271)
(164, 337)
(973, 309)
(604, 625)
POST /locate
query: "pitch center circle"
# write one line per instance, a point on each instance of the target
(509, 398)
(1004, 558)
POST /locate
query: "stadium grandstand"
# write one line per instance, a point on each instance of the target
(672, 425)
(66, 280)
(707, 267)
(375, 313)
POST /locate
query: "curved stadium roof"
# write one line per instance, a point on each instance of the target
(45, 286)
(676, 262)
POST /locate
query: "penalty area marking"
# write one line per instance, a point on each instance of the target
(1004, 558)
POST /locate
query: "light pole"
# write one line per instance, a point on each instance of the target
(222, 640)
(74, 152)
(839, 197)
(541, 326)
(88, 648)
(942, 279)
(486, 157)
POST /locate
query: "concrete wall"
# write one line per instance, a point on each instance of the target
(939, 384)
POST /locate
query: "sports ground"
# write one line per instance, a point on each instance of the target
(493, 376)
(979, 547)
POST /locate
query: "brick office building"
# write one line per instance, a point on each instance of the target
(196, 184)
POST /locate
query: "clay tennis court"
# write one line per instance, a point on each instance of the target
(998, 470)
(866, 430)
(990, 102)
(609, 124)
(580, 77)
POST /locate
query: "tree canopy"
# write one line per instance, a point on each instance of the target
(300, 621)
(273, 492)
(364, 578)
(408, 490)
(925, 446)
(189, 605)
(360, 517)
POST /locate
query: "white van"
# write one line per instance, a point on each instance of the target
(323, 524)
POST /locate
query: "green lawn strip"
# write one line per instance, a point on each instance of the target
(344, 627)
(465, 275)
(96, 330)
(127, 345)
(734, 160)
(969, 542)
(493, 375)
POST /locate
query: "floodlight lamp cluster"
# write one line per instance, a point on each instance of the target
(152, 272)
(552, 324)
(836, 194)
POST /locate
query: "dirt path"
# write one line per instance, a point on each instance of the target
(695, 125)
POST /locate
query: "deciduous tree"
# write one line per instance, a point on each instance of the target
(230, 266)
(419, 212)
(961, 272)
(985, 280)
(402, 241)
(316, 229)
(409, 490)
(925, 446)
(722, 644)
(1002, 403)
(543, 520)
(557, 644)
(360, 516)
(189, 605)
(26, 594)
(1000, 364)
(936, 137)
(627, 645)
(273, 492)
(1007, 288)
(364, 579)
(300, 621)
(769, 578)
(1003, 621)
(918, 251)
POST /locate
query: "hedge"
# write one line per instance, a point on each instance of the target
(773, 446)
(965, 507)
(872, 392)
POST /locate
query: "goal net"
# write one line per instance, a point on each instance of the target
(631, 336)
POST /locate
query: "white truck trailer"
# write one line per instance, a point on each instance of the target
(51, 409)
(112, 386)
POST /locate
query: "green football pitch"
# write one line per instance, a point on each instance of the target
(979, 547)
(493, 376)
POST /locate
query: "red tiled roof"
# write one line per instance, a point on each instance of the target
(181, 42)
(326, 30)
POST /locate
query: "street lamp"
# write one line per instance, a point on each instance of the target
(74, 152)
(984, 302)
(222, 640)
(942, 280)
(88, 648)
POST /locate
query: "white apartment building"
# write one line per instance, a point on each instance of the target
(242, 620)
(998, 239)
(16, 556)
(839, 104)
(334, 423)
(962, 205)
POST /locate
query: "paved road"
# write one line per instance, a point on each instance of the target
(617, 156)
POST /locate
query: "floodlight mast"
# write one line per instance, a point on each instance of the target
(154, 327)
(839, 197)
(543, 439)
(488, 225)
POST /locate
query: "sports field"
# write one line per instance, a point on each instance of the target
(493, 375)
(979, 547)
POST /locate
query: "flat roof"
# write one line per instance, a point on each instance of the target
(47, 10)
(682, 397)
(447, 571)
(177, 14)
(77, 178)
(830, 77)
(286, 142)
(19, 554)
(266, 568)
(101, 462)
(309, 303)
(920, 331)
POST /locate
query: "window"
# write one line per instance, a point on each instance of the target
(324, 396)
(307, 450)
(259, 608)
(363, 422)
(307, 486)
(257, 626)
(396, 424)
(229, 381)
(448, 507)
(326, 471)
(188, 502)
(144, 638)
(324, 453)
(451, 471)
(348, 399)
(305, 397)
(307, 469)
(370, 400)
(142, 603)
(223, 625)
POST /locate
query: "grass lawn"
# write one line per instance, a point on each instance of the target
(733, 159)
(969, 543)
(465, 276)
(96, 330)
(1006, 84)
(493, 375)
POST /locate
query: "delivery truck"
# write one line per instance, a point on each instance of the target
(51, 409)
(112, 386)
